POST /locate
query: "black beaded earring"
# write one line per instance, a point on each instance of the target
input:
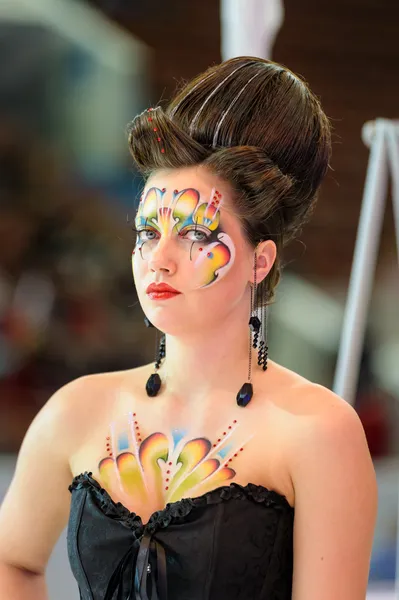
(153, 384)
(263, 347)
(246, 392)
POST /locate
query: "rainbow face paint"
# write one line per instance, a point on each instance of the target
(141, 470)
(193, 224)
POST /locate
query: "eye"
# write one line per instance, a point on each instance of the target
(146, 234)
(197, 235)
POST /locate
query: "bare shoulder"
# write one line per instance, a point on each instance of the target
(306, 403)
(74, 409)
(313, 411)
(310, 422)
(321, 410)
(331, 424)
(326, 438)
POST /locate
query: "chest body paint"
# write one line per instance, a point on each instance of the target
(164, 466)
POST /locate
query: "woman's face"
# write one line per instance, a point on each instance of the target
(189, 237)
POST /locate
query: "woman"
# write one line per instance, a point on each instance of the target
(218, 473)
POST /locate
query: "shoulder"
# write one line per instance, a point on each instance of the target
(72, 410)
(326, 416)
(85, 389)
(308, 405)
(325, 430)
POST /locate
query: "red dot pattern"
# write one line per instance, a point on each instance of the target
(216, 198)
(167, 479)
(220, 439)
(108, 446)
(155, 129)
(137, 428)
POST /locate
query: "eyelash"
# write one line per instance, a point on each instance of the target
(138, 231)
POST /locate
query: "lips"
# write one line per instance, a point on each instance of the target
(159, 288)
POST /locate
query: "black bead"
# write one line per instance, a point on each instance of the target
(245, 394)
(148, 322)
(255, 340)
(254, 324)
(153, 385)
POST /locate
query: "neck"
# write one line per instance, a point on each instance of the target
(200, 363)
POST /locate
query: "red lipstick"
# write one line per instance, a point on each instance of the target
(161, 291)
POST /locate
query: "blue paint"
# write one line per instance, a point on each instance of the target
(123, 442)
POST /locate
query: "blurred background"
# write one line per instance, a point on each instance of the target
(73, 74)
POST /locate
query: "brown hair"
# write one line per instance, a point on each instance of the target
(258, 126)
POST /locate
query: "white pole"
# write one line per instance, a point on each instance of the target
(393, 152)
(365, 256)
(393, 147)
(249, 27)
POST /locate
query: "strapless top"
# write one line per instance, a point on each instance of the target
(232, 543)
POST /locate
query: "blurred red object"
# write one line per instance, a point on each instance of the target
(375, 420)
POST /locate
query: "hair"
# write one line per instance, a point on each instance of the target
(258, 126)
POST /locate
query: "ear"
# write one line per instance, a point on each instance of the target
(266, 253)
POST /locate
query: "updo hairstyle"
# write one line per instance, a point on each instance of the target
(255, 124)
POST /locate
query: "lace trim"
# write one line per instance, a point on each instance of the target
(110, 508)
(179, 509)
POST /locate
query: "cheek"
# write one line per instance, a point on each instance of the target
(134, 266)
(214, 262)
(213, 304)
(138, 267)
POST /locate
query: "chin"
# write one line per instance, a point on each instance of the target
(167, 321)
(167, 326)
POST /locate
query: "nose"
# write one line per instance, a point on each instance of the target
(162, 257)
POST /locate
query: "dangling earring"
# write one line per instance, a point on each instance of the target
(246, 392)
(154, 382)
(263, 347)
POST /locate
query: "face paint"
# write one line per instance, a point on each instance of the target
(195, 227)
(160, 468)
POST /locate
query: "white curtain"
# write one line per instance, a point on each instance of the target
(249, 27)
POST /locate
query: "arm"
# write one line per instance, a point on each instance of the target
(36, 507)
(336, 500)
(18, 584)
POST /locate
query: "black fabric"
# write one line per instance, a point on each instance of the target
(233, 543)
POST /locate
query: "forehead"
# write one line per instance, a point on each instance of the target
(198, 178)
